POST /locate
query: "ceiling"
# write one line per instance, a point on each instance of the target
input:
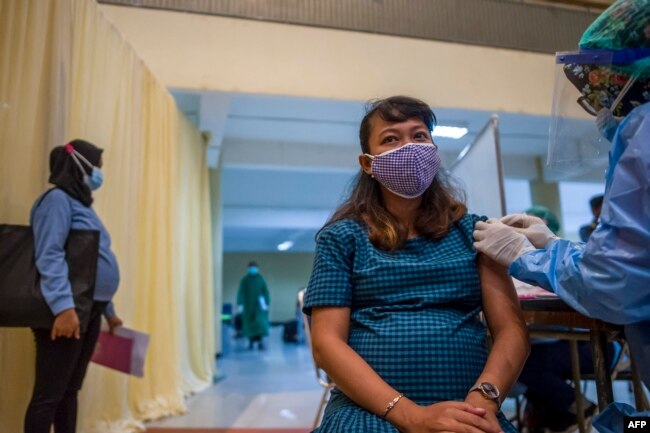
(287, 162)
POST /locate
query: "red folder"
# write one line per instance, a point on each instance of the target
(113, 351)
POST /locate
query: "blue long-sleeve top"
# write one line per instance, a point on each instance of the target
(51, 221)
(609, 276)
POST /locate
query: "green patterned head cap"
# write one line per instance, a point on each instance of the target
(545, 213)
(625, 25)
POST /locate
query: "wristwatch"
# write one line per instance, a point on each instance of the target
(488, 391)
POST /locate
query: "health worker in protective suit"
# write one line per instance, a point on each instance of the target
(609, 276)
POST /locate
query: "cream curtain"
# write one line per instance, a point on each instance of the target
(66, 73)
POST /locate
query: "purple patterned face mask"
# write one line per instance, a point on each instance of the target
(408, 170)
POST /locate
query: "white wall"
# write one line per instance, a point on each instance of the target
(285, 274)
(517, 195)
(191, 51)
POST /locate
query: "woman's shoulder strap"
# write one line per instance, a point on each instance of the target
(40, 200)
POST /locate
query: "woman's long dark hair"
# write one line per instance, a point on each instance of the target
(442, 203)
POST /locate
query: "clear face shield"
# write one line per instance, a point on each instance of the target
(585, 83)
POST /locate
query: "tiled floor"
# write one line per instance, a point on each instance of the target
(224, 430)
(275, 388)
(272, 391)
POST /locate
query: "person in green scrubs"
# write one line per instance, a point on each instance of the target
(253, 300)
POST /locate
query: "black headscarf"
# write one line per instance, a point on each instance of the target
(66, 174)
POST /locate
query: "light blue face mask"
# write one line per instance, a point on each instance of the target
(95, 180)
(253, 270)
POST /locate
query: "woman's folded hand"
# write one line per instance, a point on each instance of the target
(448, 416)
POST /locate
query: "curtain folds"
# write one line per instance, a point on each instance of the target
(66, 73)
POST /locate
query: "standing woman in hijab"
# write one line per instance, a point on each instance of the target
(63, 353)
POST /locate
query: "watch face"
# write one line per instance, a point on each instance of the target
(490, 390)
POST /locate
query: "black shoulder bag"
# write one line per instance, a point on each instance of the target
(21, 302)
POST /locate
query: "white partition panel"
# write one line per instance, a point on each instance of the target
(479, 170)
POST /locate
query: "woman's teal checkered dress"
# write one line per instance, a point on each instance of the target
(414, 315)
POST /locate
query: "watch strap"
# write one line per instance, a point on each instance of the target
(478, 388)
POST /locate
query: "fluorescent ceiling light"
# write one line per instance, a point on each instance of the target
(285, 245)
(449, 131)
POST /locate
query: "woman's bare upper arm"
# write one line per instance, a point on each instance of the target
(330, 322)
(500, 303)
